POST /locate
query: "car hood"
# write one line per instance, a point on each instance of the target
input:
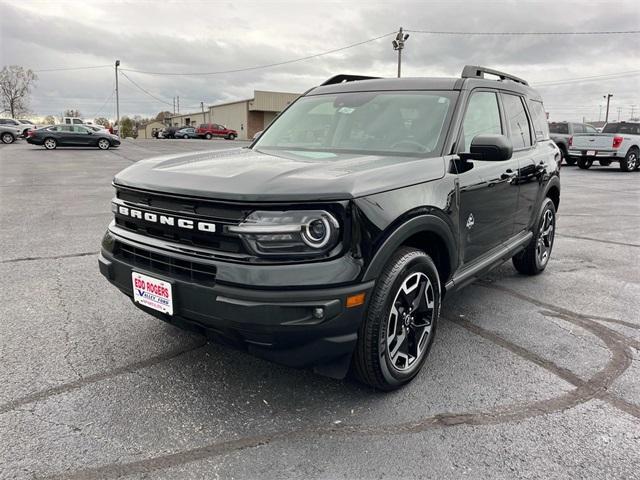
(242, 174)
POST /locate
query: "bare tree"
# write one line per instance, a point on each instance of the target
(72, 113)
(102, 121)
(49, 120)
(15, 86)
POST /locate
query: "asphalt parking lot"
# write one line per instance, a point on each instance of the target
(528, 378)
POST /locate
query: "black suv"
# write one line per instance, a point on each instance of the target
(331, 240)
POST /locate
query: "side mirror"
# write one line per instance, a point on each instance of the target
(490, 147)
(257, 135)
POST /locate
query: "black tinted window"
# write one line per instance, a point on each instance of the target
(561, 128)
(482, 117)
(628, 128)
(539, 117)
(520, 133)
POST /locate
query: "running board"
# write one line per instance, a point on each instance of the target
(488, 262)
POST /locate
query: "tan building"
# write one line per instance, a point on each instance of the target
(149, 128)
(245, 116)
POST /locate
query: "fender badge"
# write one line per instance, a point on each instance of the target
(470, 221)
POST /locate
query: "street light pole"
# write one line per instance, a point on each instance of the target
(608, 97)
(398, 44)
(117, 96)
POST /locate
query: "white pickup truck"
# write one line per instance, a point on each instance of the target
(618, 142)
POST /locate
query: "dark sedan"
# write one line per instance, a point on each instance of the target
(72, 136)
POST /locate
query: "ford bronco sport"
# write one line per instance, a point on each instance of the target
(332, 239)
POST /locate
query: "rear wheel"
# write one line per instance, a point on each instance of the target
(630, 162)
(585, 163)
(534, 258)
(104, 144)
(50, 143)
(400, 324)
(208, 136)
(8, 138)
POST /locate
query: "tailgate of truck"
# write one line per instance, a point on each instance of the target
(592, 141)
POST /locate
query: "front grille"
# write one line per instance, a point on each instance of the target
(164, 264)
(196, 209)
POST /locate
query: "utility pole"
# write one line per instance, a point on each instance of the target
(633, 110)
(608, 97)
(619, 112)
(398, 45)
(600, 113)
(178, 97)
(117, 97)
(174, 105)
(204, 119)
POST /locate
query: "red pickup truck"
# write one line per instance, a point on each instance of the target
(210, 130)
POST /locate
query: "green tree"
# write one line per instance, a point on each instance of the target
(103, 121)
(15, 87)
(126, 127)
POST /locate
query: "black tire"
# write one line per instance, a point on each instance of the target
(186, 137)
(231, 137)
(569, 160)
(585, 163)
(104, 144)
(50, 143)
(631, 161)
(208, 136)
(604, 163)
(530, 261)
(372, 361)
(8, 137)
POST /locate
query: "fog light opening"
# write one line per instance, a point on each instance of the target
(318, 313)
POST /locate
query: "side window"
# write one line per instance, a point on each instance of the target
(77, 121)
(54, 129)
(590, 129)
(539, 117)
(482, 117)
(78, 129)
(65, 128)
(520, 133)
(578, 128)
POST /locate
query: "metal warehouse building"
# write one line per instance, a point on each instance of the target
(245, 116)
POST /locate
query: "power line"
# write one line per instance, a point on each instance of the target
(268, 65)
(142, 89)
(64, 69)
(113, 91)
(608, 76)
(441, 32)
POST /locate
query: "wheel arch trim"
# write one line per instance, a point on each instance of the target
(427, 223)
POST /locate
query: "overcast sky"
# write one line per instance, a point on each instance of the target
(208, 36)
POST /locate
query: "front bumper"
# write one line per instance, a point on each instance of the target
(276, 324)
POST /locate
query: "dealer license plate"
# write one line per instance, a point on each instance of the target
(591, 153)
(152, 292)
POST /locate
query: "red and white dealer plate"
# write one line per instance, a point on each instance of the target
(152, 292)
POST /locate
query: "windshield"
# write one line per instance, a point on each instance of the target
(628, 128)
(402, 123)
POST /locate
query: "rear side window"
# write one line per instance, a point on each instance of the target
(539, 117)
(578, 128)
(519, 130)
(590, 129)
(482, 117)
(628, 128)
(559, 128)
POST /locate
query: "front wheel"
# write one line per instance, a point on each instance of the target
(585, 163)
(50, 143)
(104, 144)
(535, 257)
(397, 332)
(8, 138)
(231, 137)
(208, 136)
(630, 162)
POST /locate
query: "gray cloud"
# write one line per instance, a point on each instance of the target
(214, 36)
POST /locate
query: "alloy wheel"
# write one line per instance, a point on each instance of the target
(545, 238)
(632, 160)
(50, 143)
(410, 321)
(7, 138)
(103, 144)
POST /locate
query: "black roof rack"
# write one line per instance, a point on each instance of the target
(342, 78)
(474, 71)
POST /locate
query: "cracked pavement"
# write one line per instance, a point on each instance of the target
(528, 377)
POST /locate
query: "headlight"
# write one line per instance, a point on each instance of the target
(293, 232)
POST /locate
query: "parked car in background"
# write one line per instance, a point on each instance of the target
(170, 132)
(186, 132)
(210, 130)
(562, 134)
(76, 121)
(72, 136)
(26, 125)
(618, 142)
(9, 133)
